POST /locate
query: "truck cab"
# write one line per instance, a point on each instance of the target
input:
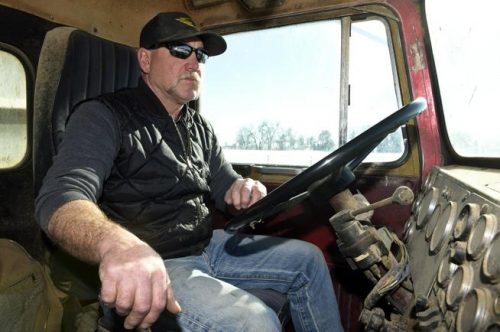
(372, 123)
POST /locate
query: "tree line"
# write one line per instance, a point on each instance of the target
(271, 136)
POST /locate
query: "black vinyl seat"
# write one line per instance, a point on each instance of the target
(74, 66)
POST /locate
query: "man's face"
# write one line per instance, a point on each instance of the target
(177, 80)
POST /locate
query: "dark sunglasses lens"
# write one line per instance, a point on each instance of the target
(181, 51)
(201, 56)
(184, 51)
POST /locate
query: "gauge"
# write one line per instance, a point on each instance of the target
(427, 206)
(443, 228)
(491, 261)
(427, 185)
(416, 203)
(409, 229)
(467, 217)
(431, 225)
(481, 235)
(446, 269)
(475, 312)
(460, 284)
(430, 179)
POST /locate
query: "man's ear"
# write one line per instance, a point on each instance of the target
(144, 59)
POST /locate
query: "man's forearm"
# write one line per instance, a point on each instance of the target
(129, 269)
(81, 228)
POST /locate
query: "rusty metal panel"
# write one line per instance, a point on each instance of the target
(261, 4)
(128, 16)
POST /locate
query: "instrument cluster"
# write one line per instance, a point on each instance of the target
(453, 241)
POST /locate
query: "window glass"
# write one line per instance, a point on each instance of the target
(273, 96)
(372, 89)
(13, 133)
(466, 49)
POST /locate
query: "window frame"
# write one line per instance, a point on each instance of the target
(347, 22)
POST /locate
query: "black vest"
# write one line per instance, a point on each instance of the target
(157, 186)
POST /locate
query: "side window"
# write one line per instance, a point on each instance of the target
(466, 51)
(13, 113)
(290, 95)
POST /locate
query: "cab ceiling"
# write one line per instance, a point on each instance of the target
(121, 20)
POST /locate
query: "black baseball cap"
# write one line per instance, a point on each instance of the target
(176, 26)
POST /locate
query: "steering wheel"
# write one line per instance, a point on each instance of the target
(349, 155)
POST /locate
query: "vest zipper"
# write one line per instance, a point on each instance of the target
(187, 151)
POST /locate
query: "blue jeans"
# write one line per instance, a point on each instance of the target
(209, 286)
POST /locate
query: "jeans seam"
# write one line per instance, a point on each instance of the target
(192, 321)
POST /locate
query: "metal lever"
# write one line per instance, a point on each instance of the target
(402, 196)
(376, 251)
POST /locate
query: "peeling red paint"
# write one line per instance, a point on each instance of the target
(420, 81)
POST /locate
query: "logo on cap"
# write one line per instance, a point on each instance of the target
(186, 21)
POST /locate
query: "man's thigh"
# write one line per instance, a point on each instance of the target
(209, 304)
(256, 261)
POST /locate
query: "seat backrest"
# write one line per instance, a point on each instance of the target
(73, 66)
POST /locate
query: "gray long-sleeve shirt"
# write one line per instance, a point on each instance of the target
(85, 159)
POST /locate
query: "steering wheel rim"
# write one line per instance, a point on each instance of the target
(360, 145)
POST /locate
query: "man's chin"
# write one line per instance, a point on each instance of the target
(186, 93)
(191, 97)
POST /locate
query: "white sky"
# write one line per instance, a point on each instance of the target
(274, 95)
(466, 47)
(12, 82)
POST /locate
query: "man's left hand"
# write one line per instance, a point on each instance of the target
(243, 193)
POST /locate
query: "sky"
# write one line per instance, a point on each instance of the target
(12, 82)
(290, 75)
(284, 83)
(466, 48)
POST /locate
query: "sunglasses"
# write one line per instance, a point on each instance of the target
(183, 51)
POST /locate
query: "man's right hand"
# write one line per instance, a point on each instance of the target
(136, 283)
(133, 276)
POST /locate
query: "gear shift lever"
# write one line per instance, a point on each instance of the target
(402, 196)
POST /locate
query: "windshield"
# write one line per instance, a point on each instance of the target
(465, 39)
(280, 103)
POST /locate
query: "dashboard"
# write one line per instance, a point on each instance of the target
(453, 242)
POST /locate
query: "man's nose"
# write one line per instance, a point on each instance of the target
(192, 62)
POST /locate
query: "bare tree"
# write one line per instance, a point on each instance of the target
(270, 136)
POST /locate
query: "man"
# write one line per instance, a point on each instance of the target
(127, 192)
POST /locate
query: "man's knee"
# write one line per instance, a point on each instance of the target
(258, 318)
(310, 253)
(248, 313)
(209, 304)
